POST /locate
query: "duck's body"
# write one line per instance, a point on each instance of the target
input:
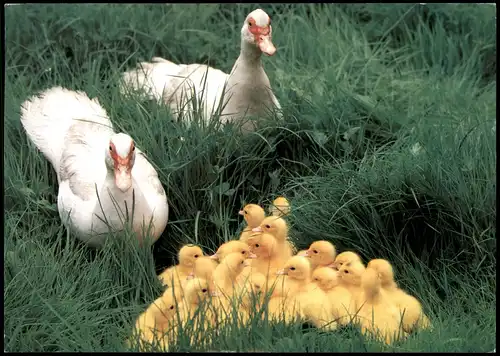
(246, 91)
(74, 133)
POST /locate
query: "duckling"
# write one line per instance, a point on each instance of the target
(278, 228)
(302, 253)
(253, 215)
(345, 257)
(339, 298)
(321, 253)
(377, 314)
(204, 268)
(227, 272)
(253, 295)
(350, 278)
(409, 306)
(176, 275)
(159, 318)
(280, 207)
(268, 259)
(231, 247)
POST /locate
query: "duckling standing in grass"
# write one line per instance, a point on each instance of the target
(345, 257)
(204, 268)
(409, 307)
(253, 295)
(339, 298)
(321, 253)
(175, 276)
(253, 215)
(158, 319)
(311, 301)
(278, 228)
(280, 207)
(350, 278)
(268, 260)
(377, 314)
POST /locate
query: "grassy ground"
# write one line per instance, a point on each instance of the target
(387, 147)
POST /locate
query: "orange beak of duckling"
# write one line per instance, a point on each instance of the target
(282, 272)
(241, 212)
(257, 229)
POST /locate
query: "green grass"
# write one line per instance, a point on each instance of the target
(387, 146)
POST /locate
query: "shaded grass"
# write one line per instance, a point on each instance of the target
(386, 147)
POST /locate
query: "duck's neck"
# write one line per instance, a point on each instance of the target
(250, 55)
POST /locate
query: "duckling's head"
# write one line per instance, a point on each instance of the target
(345, 257)
(275, 226)
(302, 253)
(325, 278)
(280, 207)
(321, 253)
(188, 254)
(230, 247)
(253, 214)
(171, 304)
(197, 290)
(384, 269)
(350, 273)
(263, 245)
(297, 267)
(235, 263)
(370, 281)
(204, 268)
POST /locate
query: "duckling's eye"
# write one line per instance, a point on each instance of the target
(196, 256)
(243, 252)
(292, 268)
(268, 226)
(315, 251)
(242, 262)
(245, 212)
(346, 271)
(257, 245)
(203, 290)
(171, 307)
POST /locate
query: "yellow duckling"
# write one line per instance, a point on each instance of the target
(176, 275)
(268, 259)
(204, 268)
(350, 278)
(158, 319)
(345, 257)
(409, 306)
(377, 314)
(311, 301)
(302, 253)
(339, 298)
(232, 247)
(227, 272)
(280, 207)
(253, 215)
(253, 295)
(278, 228)
(321, 253)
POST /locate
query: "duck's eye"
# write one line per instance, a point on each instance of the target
(196, 256)
(257, 245)
(267, 226)
(292, 268)
(250, 23)
(203, 290)
(315, 251)
(133, 148)
(171, 307)
(110, 148)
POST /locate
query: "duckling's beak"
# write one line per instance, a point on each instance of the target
(241, 212)
(333, 265)
(257, 229)
(306, 253)
(190, 276)
(214, 293)
(214, 256)
(252, 255)
(282, 272)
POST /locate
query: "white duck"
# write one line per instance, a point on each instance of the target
(75, 134)
(247, 90)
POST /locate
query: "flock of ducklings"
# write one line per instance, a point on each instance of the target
(263, 269)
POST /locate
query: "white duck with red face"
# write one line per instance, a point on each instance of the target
(248, 90)
(101, 174)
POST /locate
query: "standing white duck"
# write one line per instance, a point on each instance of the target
(100, 173)
(246, 91)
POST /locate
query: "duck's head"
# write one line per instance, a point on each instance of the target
(188, 255)
(345, 257)
(325, 278)
(384, 270)
(275, 226)
(280, 207)
(235, 263)
(321, 253)
(351, 273)
(232, 247)
(263, 245)
(296, 267)
(198, 290)
(257, 30)
(253, 214)
(120, 158)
